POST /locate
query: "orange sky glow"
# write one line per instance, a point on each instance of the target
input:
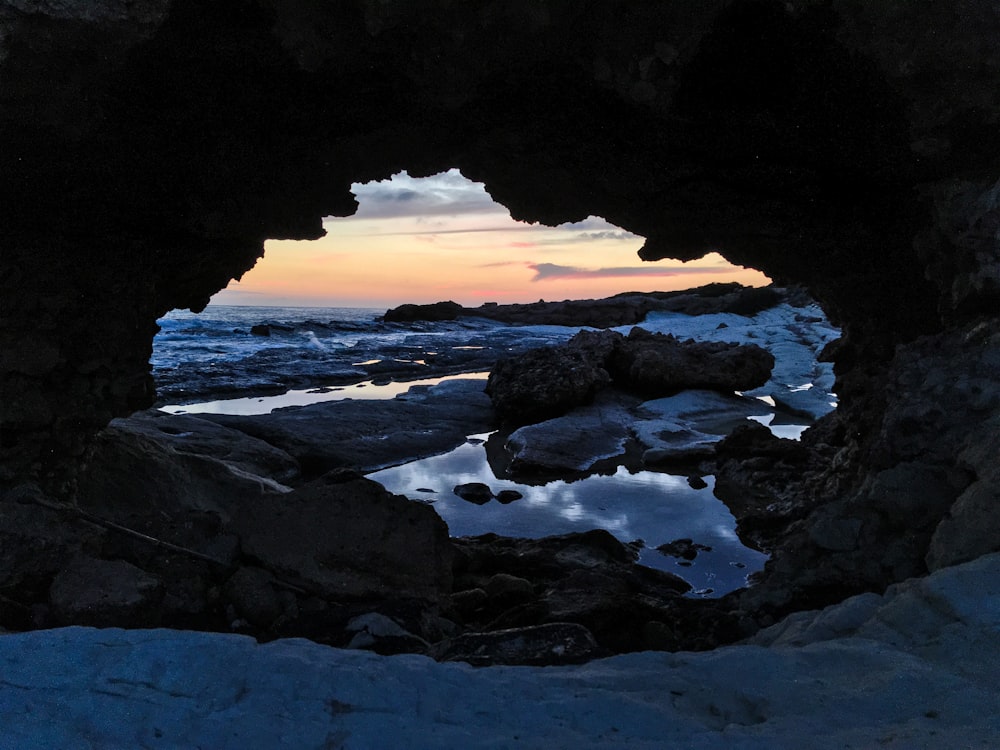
(443, 238)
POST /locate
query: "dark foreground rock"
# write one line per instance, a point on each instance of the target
(164, 536)
(187, 535)
(927, 499)
(587, 578)
(347, 540)
(549, 381)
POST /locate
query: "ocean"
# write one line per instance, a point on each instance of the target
(213, 362)
(214, 356)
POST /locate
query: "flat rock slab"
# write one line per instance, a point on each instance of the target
(186, 434)
(371, 435)
(575, 441)
(679, 429)
(904, 671)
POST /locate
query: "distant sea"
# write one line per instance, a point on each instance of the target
(214, 355)
(222, 332)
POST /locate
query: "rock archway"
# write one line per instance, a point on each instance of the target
(151, 147)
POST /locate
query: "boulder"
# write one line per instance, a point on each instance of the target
(191, 435)
(252, 593)
(348, 540)
(588, 578)
(435, 311)
(36, 543)
(544, 383)
(137, 478)
(686, 549)
(512, 588)
(474, 492)
(659, 364)
(547, 382)
(104, 593)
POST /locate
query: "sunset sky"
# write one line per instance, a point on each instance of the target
(443, 238)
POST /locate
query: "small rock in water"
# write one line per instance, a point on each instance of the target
(260, 330)
(697, 483)
(474, 492)
(635, 547)
(508, 496)
(685, 549)
(425, 489)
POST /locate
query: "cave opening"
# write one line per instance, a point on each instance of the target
(160, 166)
(262, 335)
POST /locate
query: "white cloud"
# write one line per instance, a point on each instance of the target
(445, 194)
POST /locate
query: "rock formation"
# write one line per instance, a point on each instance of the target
(623, 309)
(150, 147)
(549, 381)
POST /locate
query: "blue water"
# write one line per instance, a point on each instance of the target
(222, 332)
(213, 355)
(651, 508)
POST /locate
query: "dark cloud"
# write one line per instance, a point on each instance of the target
(548, 271)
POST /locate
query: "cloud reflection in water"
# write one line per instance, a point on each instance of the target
(651, 506)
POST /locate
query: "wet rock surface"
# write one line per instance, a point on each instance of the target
(365, 435)
(548, 382)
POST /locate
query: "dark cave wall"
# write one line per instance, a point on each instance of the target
(151, 148)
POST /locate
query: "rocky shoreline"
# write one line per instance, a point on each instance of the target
(626, 308)
(265, 525)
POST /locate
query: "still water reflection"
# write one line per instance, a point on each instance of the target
(368, 390)
(657, 508)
